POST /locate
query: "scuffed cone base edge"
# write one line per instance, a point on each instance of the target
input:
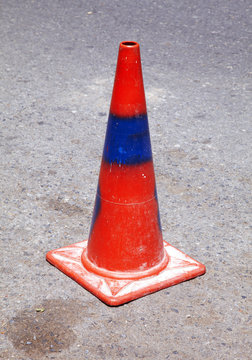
(181, 267)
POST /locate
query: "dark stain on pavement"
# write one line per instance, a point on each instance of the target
(177, 153)
(64, 207)
(46, 328)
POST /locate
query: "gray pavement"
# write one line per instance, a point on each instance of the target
(57, 70)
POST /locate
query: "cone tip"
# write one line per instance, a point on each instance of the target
(128, 98)
(126, 44)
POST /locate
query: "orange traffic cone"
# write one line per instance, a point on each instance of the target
(125, 256)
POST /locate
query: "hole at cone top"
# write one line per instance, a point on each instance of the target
(129, 43)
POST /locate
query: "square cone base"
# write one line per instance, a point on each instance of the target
(115, 292)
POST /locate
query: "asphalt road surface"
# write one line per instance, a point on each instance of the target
(57, 70)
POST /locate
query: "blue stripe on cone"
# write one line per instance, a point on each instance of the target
(97, 208)
(127, 140)
(158, 215)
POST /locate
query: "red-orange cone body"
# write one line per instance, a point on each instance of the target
(125, 234)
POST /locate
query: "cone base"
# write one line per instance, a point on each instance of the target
(115, 292)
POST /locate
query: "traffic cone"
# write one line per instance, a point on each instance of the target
(125, 256)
